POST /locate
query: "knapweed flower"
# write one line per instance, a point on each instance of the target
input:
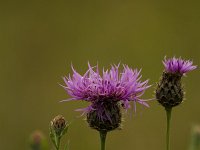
(178, 65)
(169, 92)
(106, 93)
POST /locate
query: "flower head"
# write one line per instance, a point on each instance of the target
(111, 86)
(106, 92)
(178, 65)
(169, 91)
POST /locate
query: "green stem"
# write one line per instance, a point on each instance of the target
(103, 139)
(168, 113)
(57, 143)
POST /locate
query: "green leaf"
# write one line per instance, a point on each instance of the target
(64, 130)
(53, 137)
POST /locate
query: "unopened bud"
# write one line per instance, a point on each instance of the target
(58, 127)
(37, 141)
(58, 124)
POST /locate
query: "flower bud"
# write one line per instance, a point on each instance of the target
(58, 127)
(58, 124)
(38, 141)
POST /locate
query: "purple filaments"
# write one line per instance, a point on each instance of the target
(178, 65)
(110, 87)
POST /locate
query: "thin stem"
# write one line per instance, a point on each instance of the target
(168, 113)
(57, 143)
(103, 139)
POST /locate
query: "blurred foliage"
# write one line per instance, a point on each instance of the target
(38, 141)
(40, 39)
(195, 138)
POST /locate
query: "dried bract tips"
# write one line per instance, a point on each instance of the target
(58, 124)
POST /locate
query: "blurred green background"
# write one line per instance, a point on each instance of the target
(40, 39)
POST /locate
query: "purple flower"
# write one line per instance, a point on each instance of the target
(112, 86)
(169, 91)
(178, 65)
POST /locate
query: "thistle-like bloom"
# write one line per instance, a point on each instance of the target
(169, 91)
(107, 93)
(178, 65)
